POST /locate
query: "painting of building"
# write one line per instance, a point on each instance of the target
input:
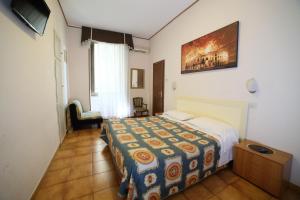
(216, 50)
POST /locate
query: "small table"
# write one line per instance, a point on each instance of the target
(269, 170)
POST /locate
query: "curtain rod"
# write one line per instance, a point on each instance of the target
(71, 26)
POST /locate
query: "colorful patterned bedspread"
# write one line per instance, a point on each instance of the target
(158, 157)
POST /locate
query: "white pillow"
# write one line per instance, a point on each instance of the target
(209, 125)
(178, 115)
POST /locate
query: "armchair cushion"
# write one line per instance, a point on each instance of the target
(141, 109)
(79, 109)
(90, 115)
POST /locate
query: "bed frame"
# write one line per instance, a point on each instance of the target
(232, 112)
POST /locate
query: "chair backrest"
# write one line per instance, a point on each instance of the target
(138, 102)
(73, 115)
(78, 108)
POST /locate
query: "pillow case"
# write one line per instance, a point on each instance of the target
(178, 115)
(227, 133)
(212, 126)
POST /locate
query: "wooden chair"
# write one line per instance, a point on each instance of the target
(140, 108)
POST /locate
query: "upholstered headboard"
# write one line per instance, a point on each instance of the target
(232, 112)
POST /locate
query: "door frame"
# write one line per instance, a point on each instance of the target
(59, 85)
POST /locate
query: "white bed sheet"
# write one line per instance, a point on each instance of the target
(226, 144)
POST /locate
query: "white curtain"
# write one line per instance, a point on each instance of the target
(111, 80)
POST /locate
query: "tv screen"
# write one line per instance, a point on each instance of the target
(34, 13)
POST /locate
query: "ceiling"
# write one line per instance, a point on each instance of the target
(141, 18)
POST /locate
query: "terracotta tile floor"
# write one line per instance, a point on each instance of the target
(82, 169)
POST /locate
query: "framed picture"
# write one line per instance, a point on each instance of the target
(216, 50)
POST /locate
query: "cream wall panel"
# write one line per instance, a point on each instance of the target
(78, 56)
(28, 127)
(268, 51)
(142, 61)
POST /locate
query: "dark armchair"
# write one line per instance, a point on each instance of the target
(81, 119)
(140, 109)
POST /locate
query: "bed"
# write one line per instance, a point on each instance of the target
(159, 156)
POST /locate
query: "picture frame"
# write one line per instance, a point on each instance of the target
(137, 76)
(216, 50)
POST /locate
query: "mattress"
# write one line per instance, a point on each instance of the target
(226, 153)
(158, 157)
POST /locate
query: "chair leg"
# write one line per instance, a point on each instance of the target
(136, 114)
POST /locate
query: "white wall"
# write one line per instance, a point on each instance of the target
(142, 61)
(29, 130)
(268, 51)
(78, 67)
(79, 61)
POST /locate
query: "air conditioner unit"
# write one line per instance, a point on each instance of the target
(140, 50)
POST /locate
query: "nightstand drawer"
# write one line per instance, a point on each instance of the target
(264, 171)
(259, 165)
(258, 170)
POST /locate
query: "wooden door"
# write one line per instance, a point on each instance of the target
(158, 87)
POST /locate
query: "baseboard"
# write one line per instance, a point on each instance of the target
(294, 187)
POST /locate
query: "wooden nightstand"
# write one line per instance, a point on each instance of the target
(271, 172)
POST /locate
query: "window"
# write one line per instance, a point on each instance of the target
(110, 93)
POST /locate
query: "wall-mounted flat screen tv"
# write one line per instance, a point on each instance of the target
(34, 13)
